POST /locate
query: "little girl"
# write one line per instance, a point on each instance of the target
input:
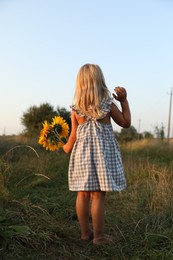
(95, 165)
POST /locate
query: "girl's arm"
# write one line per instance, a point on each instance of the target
(72, 138)
(122, 118)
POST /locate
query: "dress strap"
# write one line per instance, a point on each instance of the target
(105, 108)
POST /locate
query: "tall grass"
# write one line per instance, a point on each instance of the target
(39, 211)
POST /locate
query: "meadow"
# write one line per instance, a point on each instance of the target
(37, 211)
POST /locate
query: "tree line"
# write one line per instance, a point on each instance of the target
(33, 118)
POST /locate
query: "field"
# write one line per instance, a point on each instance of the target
(37, 211)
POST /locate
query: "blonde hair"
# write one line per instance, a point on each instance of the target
(91, 89)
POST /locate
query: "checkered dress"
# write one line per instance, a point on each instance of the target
(95, 162)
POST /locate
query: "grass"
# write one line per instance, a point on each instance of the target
(38, 218)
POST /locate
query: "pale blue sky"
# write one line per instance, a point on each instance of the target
(44, 43)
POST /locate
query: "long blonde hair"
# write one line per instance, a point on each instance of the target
(91, 89)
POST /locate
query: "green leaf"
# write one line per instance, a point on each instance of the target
(21, 230)
(2, 218)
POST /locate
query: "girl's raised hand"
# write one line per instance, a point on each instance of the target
(120, 94)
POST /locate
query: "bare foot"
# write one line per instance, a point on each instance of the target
(87, 238)
(106, 239)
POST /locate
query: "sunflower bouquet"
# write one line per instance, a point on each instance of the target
(53, 135)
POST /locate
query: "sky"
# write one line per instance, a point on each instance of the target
(44, 43)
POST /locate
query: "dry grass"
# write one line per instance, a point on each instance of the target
(37, 197)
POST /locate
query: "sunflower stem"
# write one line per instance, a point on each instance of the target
(59, 137)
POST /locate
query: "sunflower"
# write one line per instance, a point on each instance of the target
(60, 126)
(53, 136)
(44, 133)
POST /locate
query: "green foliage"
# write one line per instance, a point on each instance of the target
(131, 134)
(128, 134)
(33, 118)
(147, 135)
(159, 132)
(4, 175)
(7, 231)
(62, 111)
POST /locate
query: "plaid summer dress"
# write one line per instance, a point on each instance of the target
(95, 161)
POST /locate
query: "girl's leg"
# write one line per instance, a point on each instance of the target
(97, 211)
(82, 209)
